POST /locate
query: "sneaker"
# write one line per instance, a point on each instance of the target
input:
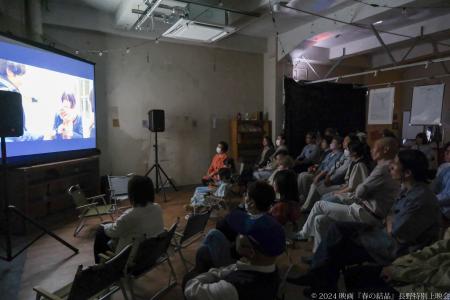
(300, 236)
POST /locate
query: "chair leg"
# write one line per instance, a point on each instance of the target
(98, 213)
(123, 289)
(80, 225)
(183, 260)
(172, 272)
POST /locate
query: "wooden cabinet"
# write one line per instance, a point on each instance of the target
(40, 191)
(246, 139)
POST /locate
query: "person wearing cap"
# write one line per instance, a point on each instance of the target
(254, 275)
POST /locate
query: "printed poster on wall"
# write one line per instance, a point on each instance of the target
(381, 106)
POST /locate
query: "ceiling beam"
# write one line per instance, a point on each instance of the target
(370, 43)
(354, 12)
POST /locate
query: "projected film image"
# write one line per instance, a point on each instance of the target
(58, 100)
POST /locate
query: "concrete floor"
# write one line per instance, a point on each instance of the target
(51, 265)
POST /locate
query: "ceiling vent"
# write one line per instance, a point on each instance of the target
(185, 29)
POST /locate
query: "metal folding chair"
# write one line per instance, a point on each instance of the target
(194, 229)
(88, 207)
(148, 253)
(95, 282)
(118, 187)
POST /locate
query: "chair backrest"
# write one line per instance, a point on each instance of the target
(94, 279)
(77, 195)
(119, 185)
(196, 224)
(147, 252)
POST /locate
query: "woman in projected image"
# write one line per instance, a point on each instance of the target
(68, 124)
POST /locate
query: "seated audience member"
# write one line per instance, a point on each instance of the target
(264, 173)
(387, 133)
(145, 217)
(424, 272)
(267, 151)
(254, 276)
(286, 208)
(199, 199)
(217, 249)
(357, 172)
(332, 180)
(415, 225)
(310, 154)
(423, 146)
(324, 147)
(284, 162)
(315, 175)
(441, 184)
(217, 163)
(373, 198)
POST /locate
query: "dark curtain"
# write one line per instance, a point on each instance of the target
(315, 107)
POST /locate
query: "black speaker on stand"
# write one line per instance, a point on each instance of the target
(157, 124)
(11, 125)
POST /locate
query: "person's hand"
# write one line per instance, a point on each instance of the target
(316, 179)
(386, 273)
(327, 181)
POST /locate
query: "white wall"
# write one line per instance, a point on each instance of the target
(192, 84)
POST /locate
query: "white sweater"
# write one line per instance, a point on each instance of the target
(135, 222)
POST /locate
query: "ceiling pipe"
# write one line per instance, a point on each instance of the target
(424, 63)
(148, 12)
(441, 76)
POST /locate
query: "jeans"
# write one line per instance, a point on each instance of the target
(100, 243)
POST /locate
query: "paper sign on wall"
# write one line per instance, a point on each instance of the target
(381, 106)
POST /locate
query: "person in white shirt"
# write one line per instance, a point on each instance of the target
(144, 218)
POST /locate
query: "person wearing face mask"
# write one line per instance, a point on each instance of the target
(372, 202)
(357, 172)
(415, 225)
(333, 180)
(265, 172)
(253, 276)
(217, 163)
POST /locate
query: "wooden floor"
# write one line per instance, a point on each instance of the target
(51, 265)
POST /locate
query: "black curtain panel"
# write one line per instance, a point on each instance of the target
(314, 107)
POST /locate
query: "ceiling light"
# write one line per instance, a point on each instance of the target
(378, 22)
(190, 30)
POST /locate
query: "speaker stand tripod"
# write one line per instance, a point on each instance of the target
(9, 210)
(159, 172)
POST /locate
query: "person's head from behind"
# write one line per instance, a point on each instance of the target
(387, 133)
(356, 150)
(140, 191)
(12, 71)
(310, 138)
(281, 140)
(222, 147)
(285, 184)
(329, 132)
(409, 166)
(421, 139)
(384, 149)
(284, 162)
(267, 141)
(259, 198)
(225, 174)
(336, 144)
(325, 143)
(280, 155)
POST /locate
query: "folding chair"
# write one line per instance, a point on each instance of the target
(194, 229)
(118, 188)
(148, 253)
(89, 207)
(95, 282)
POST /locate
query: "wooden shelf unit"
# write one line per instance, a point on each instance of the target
(40, 191)
(246, 138)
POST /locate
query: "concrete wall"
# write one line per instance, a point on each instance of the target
(199, 88)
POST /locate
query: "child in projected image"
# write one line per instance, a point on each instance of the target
(68, 124)
(11, 79)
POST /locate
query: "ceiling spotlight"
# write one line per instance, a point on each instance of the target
(128, 50)
(404, 12)
(220, 3)
(156, 41)
(378, 22)
(77, 52)
(100, 53)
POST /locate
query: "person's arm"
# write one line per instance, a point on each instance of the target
(357, 176)
(279, 212)
(211, 167)
(319, 176)
(372, 183)
(409, 222)
(210, 286)
(120, 227)
(444, 195)
(312, 156)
